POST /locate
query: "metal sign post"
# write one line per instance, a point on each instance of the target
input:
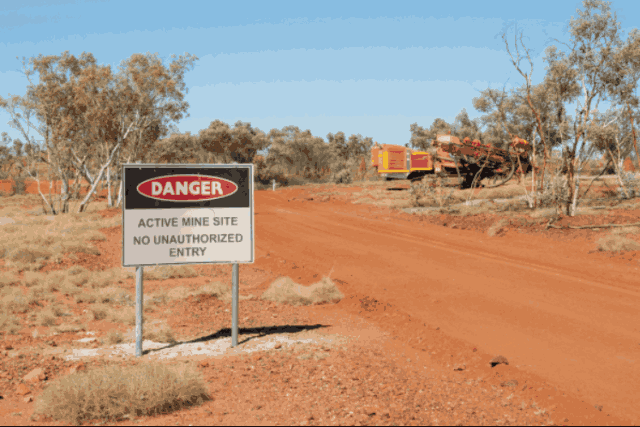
(234, 305)
(139, 302)
(179, 214)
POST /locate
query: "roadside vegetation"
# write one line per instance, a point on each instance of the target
(116, 393)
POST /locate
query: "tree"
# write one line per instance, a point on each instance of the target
(87, 116)
(421, 138)
(239, 144)
(591, 69)
(299, 152)
(464, 127)
(592, 57)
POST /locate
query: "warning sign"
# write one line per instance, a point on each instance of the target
(187, 214)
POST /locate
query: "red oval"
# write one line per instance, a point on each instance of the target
(187, 188)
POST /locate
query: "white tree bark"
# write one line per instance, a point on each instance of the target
(98, 179)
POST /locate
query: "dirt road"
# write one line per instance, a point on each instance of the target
(556, 311)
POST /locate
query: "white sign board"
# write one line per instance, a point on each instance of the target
(187, 214)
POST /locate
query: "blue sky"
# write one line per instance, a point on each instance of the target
(371, 68)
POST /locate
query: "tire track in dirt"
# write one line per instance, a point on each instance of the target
(579, 334)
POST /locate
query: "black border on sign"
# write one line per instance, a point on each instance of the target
(194, 166)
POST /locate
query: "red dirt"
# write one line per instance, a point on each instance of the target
(420, 299)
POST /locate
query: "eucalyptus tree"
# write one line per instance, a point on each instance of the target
(294, 151)
(421, 137)
(86, 116)
(587, 70)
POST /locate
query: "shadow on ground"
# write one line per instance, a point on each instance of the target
(259, 332)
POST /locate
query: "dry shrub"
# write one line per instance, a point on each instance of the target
(33, 240)
(14, 203)
(77, 270)
(156, 299)
(13, 300)
(8, 323)
(68, 287)
(216, 289)
(114, 337)
(157, 332)
(165, 272)
(285, 290)
(106, 278)
(46, 317)
(179, 292)
(99, 312)
(37, 294)
(53, 280)
(503, 192)
(114, 392)
(67, 327)
(114, 295)
(32, 278)
(497, 227)
(430, 191)
(617, 241)
(125, 315)
(544, 213)
(9, 278)
(28, 257)
(85, 297)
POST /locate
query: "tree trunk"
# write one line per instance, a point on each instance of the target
(109, 200)
(635, 143)
(98, 179)
(618, 173)
(570, 184)
(574, 197)
(120, 186)
(64, 195)
(533, 169)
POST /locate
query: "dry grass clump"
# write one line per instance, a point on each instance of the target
(113, 295)
(13, 204)
(32, 278)
(85, 297)
(48, 316)
(115, 392)
(106, 278)
(216, 289)
(37, 294)
(618, 241)
(179, 292)
(67, 282)
(99, 312)
(31, 241)
(68, 327)
(9, 278)
(503, 192)
(114, 337)
(285, 290)
(8, 323)
(165, 272)
(156, 332)
(162, 333)
(124, 315)
(13, 300)
(544, 213)
(497, 227)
